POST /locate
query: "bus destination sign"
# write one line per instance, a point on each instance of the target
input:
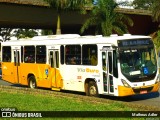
(133, 42)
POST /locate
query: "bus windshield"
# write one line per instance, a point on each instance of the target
(138, 64)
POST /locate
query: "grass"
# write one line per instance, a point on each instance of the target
(28, 102)
(24, 101)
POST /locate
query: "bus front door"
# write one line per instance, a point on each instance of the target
(54, 75)
(16, 74)
(107, 66)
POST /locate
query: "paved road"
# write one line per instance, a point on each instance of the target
(151, 99)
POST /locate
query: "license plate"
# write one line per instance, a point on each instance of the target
(143, 92)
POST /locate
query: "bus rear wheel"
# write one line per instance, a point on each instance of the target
(92, 89)
(32, 82)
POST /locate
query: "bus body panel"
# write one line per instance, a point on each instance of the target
(8, 72)
(44, 74)
(124, 91)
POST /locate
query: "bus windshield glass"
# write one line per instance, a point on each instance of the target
(138, 62)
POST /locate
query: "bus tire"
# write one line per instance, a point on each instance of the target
(92, 89)
(32, 82)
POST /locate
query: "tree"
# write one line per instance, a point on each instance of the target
(62, 5)
(46, 32)
(22, 33)
(142, 4)
(156, 39)
(6, 34)
(152, 5)
(156, 18)
(106, 20)
(156, 10)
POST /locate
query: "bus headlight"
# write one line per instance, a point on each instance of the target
(157, 80)
(125, 83)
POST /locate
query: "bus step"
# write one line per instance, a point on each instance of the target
(56, 89)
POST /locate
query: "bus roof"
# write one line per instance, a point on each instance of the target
(71, 39)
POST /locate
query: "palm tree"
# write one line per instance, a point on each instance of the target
(61, 5)
(106, 20)
(156, 10)
(156, 17)
(156, 39)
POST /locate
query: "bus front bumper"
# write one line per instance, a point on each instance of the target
(126, 91)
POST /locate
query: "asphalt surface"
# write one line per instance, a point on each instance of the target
(151, 99)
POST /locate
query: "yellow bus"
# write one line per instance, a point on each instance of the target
(116, 65)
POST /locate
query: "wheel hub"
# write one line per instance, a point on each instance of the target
(92, 90)
(32, 84)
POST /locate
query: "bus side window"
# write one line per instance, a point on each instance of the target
(73, 53)
(57, 59)
(115, 67)
(22, 53)
(110, 62)
(62, 54)
(29, 54)
(6, 54)
(41, 54)
(51, 59)
(89, 55)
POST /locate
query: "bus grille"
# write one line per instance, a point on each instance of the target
(137, 91)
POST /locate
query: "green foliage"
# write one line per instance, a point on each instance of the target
(142, 4)
(46, 32)
(5, 34)
(156, 40)
(106, 20)
(23, 33)
(152, 5)
(155, 8)
(67, 4)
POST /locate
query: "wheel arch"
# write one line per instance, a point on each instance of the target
(29, 75)
(32, 83)
(87, 80)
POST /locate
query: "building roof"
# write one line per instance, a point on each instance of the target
(26, 2)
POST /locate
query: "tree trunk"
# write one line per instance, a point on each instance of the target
(58, 31)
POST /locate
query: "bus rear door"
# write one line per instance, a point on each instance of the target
(54, 72)
(16, 52)
(107, 66)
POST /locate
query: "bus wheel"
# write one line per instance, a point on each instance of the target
(32, 82)
(92, 89)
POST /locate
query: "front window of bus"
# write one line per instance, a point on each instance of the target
(138, 63)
